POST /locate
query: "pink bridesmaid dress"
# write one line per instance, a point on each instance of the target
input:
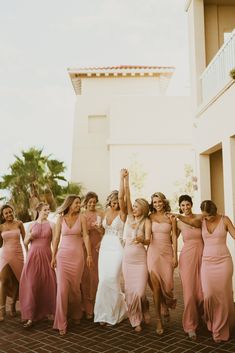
(90, 276)
(69, 269)
(216, 274)
(160, 261)
(38, 281)
(190, 273)
(11, 252)
(135, 272)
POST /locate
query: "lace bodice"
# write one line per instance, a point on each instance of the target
(115, 228)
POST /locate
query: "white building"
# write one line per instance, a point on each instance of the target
(124, 118)
(212, 53)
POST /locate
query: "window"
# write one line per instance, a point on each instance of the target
(97, 124)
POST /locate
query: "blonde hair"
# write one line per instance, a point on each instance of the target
(39, 207)
(162, 197)
(64, 208)
(144, 206)
(113, 196)
(140, 224)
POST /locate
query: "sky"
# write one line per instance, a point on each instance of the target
(40, 39)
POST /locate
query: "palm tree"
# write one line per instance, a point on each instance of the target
(34, 177)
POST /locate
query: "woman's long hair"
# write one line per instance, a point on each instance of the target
(113, 196)
(39, 207)
(209, 207)
(2, 219)
(162, 197)
(64, 208)
(141, 222)
(88, 196)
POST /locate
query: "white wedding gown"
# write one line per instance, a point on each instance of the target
(110, 306)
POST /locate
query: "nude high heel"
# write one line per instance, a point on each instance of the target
(12, 311)
(2, 312)
(159, 330)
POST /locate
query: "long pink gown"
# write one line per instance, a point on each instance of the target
(216, 274)
(11, 252)
(190, 260)
(90, 276)
(160, 261)
(38, 281)
(135, 272)
(69, 269)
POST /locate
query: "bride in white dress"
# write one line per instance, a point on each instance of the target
(110, 307)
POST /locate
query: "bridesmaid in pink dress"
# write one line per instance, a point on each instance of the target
(90, 276)
(137, 234)
(69, 261)
(38, 281)
(11, 258)
(162, 258)
(190, 268)
(217, 271)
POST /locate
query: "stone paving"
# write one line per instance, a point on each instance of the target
(89, 337)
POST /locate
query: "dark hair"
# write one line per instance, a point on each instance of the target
(2, 219)
(185, 198)
(209, 207)
(88, 196)
(161, 196)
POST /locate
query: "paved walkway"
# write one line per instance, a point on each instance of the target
(89, 337)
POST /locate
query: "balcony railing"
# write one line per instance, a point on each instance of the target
(216, 75)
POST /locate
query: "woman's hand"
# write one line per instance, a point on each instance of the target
(99, 228)
(123, 173)
(89, 261)
(53, 263)
(171, 216)
(139, 239)
(97, 247)
(175, 261)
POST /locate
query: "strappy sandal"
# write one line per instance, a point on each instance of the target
(138, 328)
(192, 335)
(89, 316)
(28, 324)
(62, 332)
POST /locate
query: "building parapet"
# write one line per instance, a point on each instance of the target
(217, 74)
(77, 74)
